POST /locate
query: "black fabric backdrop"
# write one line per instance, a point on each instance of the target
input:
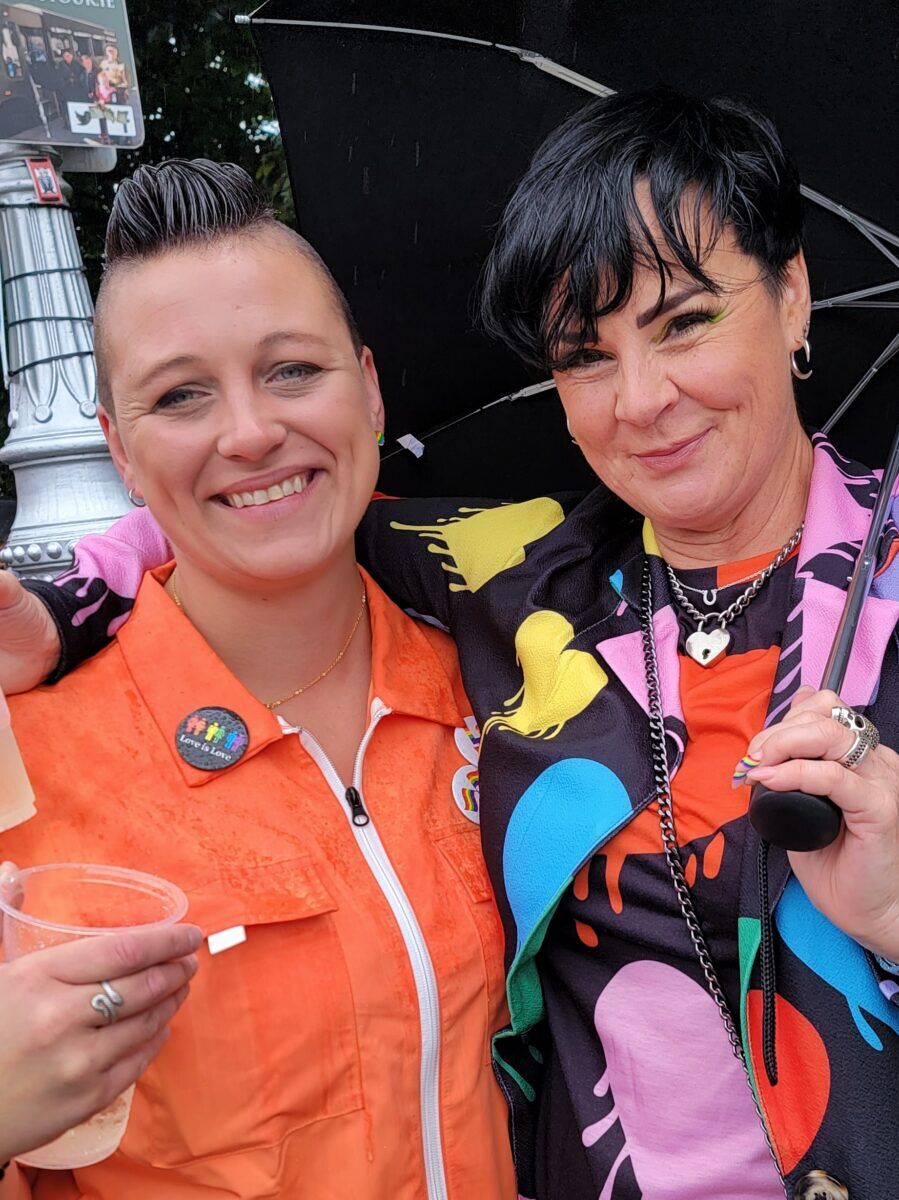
(402, 149)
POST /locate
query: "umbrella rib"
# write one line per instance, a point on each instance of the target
(247, 18)
(551, 67)
(431, 33)
(532, 389)
(862, 294)
(847, 214)
(880, 361)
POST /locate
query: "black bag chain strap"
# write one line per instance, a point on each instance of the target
(662, 781)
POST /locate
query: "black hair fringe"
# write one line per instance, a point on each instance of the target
(573, 233)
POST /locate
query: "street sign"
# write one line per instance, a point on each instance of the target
(67, 74)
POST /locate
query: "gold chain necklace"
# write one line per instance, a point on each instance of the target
(312, 682)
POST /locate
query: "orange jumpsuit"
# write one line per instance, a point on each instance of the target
(342, 1051)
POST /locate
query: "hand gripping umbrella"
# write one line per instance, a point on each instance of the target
(404, 142)
(797, 820)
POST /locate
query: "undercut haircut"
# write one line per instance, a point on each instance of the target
(184, 203)
(572, 233)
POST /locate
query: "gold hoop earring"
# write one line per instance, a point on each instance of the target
(794, 367)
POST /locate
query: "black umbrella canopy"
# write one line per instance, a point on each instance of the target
(406, 126)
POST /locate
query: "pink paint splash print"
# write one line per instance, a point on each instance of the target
(668, 1081)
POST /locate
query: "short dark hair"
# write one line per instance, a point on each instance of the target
(572, 232)
(182, 203)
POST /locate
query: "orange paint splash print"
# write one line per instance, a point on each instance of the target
(582, 883)
(723, 709)
(581, 889)
(587, 934)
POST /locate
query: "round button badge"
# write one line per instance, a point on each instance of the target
(211, 739)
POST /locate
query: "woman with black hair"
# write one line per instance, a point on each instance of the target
(693, 1013)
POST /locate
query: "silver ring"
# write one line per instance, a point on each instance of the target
(107, 1002)
(867, 736)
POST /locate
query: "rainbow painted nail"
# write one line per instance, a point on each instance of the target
(742, 769)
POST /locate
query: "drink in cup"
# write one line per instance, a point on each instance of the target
(60, 903)
(16, 796)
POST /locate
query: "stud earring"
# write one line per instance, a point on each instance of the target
(379, 436)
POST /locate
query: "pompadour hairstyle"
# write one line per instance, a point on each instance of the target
(182, 203)
(572, 232)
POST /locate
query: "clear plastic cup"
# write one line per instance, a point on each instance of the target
(61, 903)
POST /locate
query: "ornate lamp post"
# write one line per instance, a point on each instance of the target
(66, 483)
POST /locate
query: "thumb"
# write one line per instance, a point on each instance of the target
(29, 641)
(11, 590)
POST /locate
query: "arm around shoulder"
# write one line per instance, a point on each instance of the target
(85, 605)
(427, 553)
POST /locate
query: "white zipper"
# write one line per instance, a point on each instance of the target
(372, 848)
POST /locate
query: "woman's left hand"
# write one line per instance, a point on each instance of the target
(854, 881)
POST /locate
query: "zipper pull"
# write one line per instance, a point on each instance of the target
(357, 808)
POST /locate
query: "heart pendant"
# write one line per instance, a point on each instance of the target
(707, 648)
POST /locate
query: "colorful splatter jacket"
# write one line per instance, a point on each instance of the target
(542, 599)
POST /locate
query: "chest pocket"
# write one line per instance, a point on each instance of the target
(266, 1043)
(462, 851)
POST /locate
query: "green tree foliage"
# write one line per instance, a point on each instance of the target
(203, 96)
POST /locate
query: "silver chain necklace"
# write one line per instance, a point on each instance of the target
(707, 648)
(662, 781)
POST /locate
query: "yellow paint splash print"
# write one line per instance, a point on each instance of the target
(480, 543)
(558, 683)
(650, 545)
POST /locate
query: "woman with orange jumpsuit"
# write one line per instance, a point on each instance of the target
(272, 734)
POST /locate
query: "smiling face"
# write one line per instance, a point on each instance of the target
(242, 413)
(688, 413)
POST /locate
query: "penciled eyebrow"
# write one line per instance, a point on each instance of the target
(672, 300)
(188, 360)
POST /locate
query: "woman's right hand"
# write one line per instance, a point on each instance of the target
(29, 641)
(60, 1062)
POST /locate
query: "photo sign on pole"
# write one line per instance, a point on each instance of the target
(67, 76)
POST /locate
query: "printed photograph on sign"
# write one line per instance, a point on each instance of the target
(68, 75)
(46, 183)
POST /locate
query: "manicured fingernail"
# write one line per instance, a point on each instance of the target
(742, 769)
(761, 775)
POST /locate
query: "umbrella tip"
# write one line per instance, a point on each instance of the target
(241, 18)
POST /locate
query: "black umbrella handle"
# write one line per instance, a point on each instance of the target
(794, 820)
(797, 820)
